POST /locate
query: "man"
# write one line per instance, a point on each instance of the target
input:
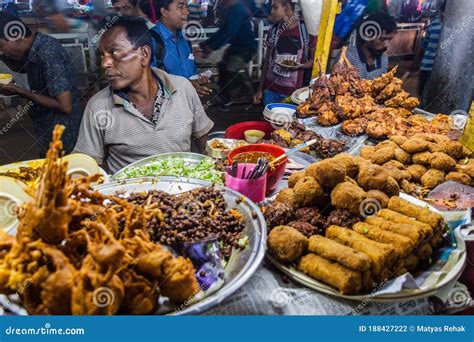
(372, 40)
(237, 31)
(51, 78)
(144, 111)
(125, 7)
(177, 55)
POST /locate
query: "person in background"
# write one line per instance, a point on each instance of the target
(147, 10)
(145, 111)
(126, 7)
(372, 40)
(352, 11)
(195, 11)
(237, 30)
(177, 54)
(287, 39)
(51, 78)
(426, 54)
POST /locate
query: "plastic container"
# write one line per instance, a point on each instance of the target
(273, 176)
(254, 189)
(237, 131)
(253, 135)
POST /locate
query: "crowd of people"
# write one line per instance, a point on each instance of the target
(152, 102)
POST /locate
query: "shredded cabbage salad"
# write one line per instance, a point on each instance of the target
(204, 170)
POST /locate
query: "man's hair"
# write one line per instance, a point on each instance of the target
(159, 4)
(12, 27)
(135, 27)
(132, 2)
(288, 3)
(149, 7)
(380, 21)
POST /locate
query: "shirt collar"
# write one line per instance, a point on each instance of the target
(166, 32)
(162, 77)
(35, 47)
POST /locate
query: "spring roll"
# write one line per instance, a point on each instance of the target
(402, 244)
(334, 251)
(400, 218)
(411, 262)
(399, 228)
(421, 214)
(424, 252)
(381, 254)
(437, 239)
(345, 280)
(368, 282)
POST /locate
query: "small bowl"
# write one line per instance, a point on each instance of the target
(6, 78)
(253, 135)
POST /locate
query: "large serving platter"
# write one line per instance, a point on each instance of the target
(437, 280)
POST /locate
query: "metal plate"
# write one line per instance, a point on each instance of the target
(242, 264)
(192, 158)
(451, 277)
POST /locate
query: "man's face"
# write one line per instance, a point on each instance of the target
(10, 49)
(176, 15)
(123, 65)
(124, 7)
(380, 45)
(278, 13)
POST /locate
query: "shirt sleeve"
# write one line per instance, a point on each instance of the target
(231, 28)
(56, 75)
(90, 140)
(201, 122)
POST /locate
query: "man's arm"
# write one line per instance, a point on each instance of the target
(201, 143)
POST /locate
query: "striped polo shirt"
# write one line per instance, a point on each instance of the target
(430, 44)
(357, 58)
(116, 134)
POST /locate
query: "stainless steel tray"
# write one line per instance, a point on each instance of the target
(242, 264)
(191, 158)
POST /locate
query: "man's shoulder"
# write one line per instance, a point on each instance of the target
(101, 99)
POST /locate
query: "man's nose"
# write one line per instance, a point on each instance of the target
(106, 62)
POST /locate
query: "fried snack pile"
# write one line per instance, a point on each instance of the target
(422, 162)
(341, 222)
(75, 255)
(378, 108)
(297, 134)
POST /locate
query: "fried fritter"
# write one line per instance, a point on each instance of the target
(394, 163)
(294, 178)
(354, 127)
(328, 172)
(415, 145)
(286, 243)
(460, 178)
(307, 192)
(398, 139)
(285, 196)
(452, 148)
(402, 156)
(350, 162)
(417, 171)
(379, 196)
(382, 155)
(366, 152)
(348, 196)
(432, 178)
(441, 161)
(422, 158)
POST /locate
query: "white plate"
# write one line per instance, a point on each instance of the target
(405, 295)
(300, 95)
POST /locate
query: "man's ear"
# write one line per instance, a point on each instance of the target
(145, 55)
(163, 12)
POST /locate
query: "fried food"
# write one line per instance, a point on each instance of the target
(394, 164)
(433, 147)
(397, 99)
(398, 139)
(345, 280)
(327, 115)
(285, 196)
(366, 152)
(410, 103)
(381, 254)
(391, 215)
(402, 156)
(286, 243)
(305, 228)
(460, 178)
(452, 148)
(294, 178)
(424, 252)
(374, 177)
(401, 243)
(468, 168)
(415, 145)
(383, 155)
(408, 187)
(379, 196)
(328, 172)
(384, 144)
(341, 254)
(421, 214)
(354, 127)
(307, 192)
(411, 232)
(441, 161)
(348, 196)
(278, 214)
(351, 163)
(432, 178)
(417, 171)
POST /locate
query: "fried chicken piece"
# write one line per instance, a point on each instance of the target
(410, 103)
(349, 107)
(327, 115)
(397, 99)
(354, 127)
(390, 90)
(379, 83)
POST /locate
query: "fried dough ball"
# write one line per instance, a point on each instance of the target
(286, 243)
(348, 196)
(422, 158)
(394, 163)
(380, 196)
(372, 177)
(351, 163)
(328, 172)
(459, 177)
(402, 156)
(408, 186)
(452, 148)
(441, 161)
(307, 192)
(398, 139)
(468, 169)
(386, 143)
(466, 153)
(350, 180)
(392, 188)
(433, 147)
(294, 178)
(382, 155)
(432, 178)
(415, 145)
(285, 196)
(394, 173)
(366, 152)
(417, 171)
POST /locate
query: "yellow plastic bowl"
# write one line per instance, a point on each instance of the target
(253, 135)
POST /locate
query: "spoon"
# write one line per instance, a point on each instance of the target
(293, 150)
